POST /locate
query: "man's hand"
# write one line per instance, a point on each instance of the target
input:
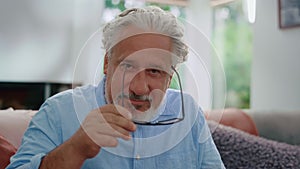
(101, 128)
(104, 125)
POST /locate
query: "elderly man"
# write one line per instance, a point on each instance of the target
(131, 119)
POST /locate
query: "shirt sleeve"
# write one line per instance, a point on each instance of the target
(42, 136)
(209, 156)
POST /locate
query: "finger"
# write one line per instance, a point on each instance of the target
(118, 110)
(124, 112)
(105, 141)
(124, 119)
(119, 121)
(107, 129)
(114, 131)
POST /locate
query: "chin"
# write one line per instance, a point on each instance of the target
(147, 115)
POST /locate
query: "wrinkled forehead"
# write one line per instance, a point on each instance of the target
(135, 33)
(148, 46)
(144, 40)
(131, 31)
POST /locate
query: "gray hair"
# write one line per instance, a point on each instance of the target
(152, 19)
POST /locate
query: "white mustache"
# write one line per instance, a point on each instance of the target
(133, 96)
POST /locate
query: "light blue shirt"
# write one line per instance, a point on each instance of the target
(184, 145)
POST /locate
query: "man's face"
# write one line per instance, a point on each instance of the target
(138, 74)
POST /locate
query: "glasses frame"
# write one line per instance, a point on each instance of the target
(160, 122)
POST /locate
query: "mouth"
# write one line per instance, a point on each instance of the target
(139, 102)
(140, 105)
(141, 108)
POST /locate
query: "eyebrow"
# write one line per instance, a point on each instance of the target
(127, 61)
(149, 66)
(155, 66)
(123, 58)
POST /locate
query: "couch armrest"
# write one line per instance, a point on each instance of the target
(235, 118)
(13, 124)
(6, 151)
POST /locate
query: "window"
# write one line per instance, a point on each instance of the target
(232, 37)
(114, 7)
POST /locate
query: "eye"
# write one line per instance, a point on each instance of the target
(126, 66)
(154, 72)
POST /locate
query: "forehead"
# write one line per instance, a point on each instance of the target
(140, 42)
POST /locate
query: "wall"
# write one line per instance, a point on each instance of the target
(275, 69)
(43, 41)
(40, 40)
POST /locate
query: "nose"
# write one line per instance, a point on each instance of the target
(139, 84)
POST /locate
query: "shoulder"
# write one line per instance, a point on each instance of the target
(83, 90)
(175, 99)
(68, 96)
(192, 109)
(176, 94)
(66, 102)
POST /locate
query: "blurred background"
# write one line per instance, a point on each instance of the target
(247, 60)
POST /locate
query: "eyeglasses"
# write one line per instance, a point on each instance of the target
(160, 122)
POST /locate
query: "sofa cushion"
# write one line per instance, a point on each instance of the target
(13, 124)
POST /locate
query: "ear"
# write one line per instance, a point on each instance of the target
(105, 65)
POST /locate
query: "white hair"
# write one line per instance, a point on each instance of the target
(150, 19)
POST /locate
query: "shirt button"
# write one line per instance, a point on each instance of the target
(137, 157)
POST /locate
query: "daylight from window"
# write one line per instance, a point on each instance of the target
(232, 37)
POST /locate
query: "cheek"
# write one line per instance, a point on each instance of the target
(165, 84)
(157, 96)
(168, 82)
(116, 82)
(158, 91)
(162, 84)
(159, 87)
(113, 82)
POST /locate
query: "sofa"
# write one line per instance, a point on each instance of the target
(13, 123)
(240, 149)
(282, 126)
(239, 145)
